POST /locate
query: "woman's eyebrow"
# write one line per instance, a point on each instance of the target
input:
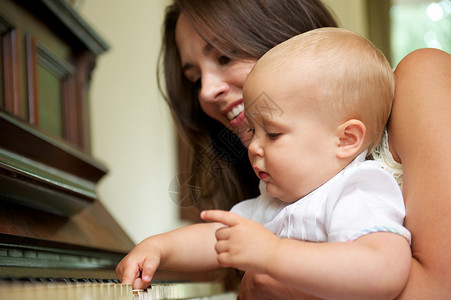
(207, 49)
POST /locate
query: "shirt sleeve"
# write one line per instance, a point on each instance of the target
(369, 200)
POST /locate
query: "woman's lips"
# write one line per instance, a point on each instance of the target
(238, 120)
(235, 111)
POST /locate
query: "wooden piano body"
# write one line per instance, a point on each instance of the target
(52, 226)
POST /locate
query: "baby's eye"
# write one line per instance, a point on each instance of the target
(272, 135)
(223, 60)
(251, 130)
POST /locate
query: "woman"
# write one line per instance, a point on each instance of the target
(203, 84)
(239, 32)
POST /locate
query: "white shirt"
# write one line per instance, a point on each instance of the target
(361, 199)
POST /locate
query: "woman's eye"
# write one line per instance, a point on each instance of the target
(194, 79)
(272, 136)
(223, 60)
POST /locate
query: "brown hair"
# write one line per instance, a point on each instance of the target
(240, 29)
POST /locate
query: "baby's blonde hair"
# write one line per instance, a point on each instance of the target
(357, 81)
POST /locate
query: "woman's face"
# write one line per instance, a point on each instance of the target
(220, 78)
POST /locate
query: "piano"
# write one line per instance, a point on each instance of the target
(57, 240)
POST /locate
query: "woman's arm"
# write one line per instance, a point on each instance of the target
(189, 248)
(255, 286)
(420, 138)
(375, 266)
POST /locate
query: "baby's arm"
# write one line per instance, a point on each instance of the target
(375, 266)
(189, 248)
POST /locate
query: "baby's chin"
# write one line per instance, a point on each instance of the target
(276, 193)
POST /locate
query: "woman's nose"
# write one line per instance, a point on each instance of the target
(213, 87)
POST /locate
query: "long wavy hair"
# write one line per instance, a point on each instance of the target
(220, 172)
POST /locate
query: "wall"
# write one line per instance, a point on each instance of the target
(131, 127)
(132, 132)
(350, 14)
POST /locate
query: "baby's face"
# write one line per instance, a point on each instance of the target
(292, 148)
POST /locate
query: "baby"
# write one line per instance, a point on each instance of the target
(327, 222)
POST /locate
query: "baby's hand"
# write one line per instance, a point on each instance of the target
(243, 244)
(139, 266)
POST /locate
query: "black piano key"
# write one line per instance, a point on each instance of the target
(61, 280)
(67, 280)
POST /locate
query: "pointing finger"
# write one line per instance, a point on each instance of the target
(221, 216)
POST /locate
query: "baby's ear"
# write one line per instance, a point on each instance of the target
(351, 135)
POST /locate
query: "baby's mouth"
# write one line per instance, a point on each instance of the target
(260, 173)
(263, 175)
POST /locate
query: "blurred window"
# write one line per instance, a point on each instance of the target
(419, 24)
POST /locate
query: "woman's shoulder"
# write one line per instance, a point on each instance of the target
(422, 62)
(425, 54)
(421, 99)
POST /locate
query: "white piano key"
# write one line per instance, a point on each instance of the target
(107, 291)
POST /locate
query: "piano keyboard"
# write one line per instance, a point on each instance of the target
(112, 291)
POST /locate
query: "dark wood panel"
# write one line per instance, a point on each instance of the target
(32, 80)
(52, 221)
(47, 70)
(11, 70)
(43, 172)
(92, 229)
(67, 23)
(16, 136)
